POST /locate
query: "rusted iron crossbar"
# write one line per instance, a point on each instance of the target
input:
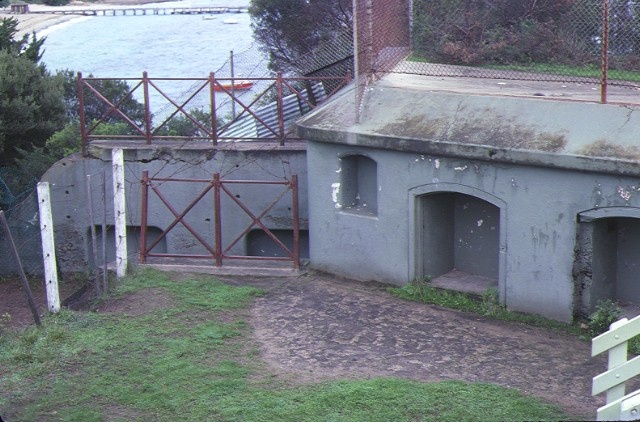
(152, 127)
(218, 252)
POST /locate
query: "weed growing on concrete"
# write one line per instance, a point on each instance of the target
(487, 305)
(606, 313)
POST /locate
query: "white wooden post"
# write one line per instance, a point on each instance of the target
(48, 248)
(619, 406)
(119, 207)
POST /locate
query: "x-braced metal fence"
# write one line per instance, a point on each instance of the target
(217, 251)
(205, 109)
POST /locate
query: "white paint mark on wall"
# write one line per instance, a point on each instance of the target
(335, 191)
(480, 223)
(624, 194)
(437, 163)
(463, 168)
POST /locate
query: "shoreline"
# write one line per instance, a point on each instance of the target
(45, 22)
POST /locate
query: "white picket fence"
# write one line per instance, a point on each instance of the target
(619, 407)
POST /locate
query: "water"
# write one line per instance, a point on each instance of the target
(163, 45)
(166, 46)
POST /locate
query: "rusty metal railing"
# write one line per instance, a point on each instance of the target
(216, 250)
(211, 109)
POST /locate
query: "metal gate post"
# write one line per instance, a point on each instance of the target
(605, 52)
(212, 94)
(143, 216)
(147, 107)
(217, 218)
(296, 222)
(280, 105)
(83, 123)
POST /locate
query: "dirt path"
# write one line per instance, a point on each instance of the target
(320, 327)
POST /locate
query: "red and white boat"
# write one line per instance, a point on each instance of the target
(237, 85)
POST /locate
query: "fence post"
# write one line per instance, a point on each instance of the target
(147, 107)
(119, 204)
(280, 106)
(143, 216)
(105, 281)
(48, 247)
(296, 222)
(94, 236)
(217, 218)
(605, 52)
(619, 406)
(81, 115)
(214, 122)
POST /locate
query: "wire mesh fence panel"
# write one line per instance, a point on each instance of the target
(582, 41)
(19, 201)
(25, 228)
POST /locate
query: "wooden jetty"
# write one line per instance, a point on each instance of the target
(140, 11)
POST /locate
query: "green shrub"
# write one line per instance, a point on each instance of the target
(606, 313)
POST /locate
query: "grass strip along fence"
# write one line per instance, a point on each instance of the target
(192, 358)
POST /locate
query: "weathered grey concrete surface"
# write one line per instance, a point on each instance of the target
(192, 160)
(539, 162)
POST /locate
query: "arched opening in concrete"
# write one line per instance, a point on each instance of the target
(606, 264)
(359, 184)
(459, 240)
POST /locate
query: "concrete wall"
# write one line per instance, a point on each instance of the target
(529, 178)
(240, 162)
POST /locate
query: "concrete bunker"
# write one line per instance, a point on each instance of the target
(458, 241)
(606, 265)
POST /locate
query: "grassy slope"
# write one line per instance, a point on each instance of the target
(194, 360)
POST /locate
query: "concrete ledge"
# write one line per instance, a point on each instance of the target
(228, 270)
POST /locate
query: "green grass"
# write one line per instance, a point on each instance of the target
(195, 360)
(488, 305)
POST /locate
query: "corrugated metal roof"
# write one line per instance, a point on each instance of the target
(293, 107)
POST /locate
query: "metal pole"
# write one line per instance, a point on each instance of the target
(94, 237)
(280, 106)
(605, 52)
(105, 281)
(81, 115)
(23, 276)
(233, 92)
(218, 219)
(296, 222)
(143, 216)
(214, 119)
(147, 107)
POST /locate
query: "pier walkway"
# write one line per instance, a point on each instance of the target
(139, 10)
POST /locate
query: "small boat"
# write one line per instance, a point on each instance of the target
(230, 21)
(208, 17)
(238, 85)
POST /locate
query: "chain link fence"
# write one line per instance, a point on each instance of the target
(582, 41)
(18, 200)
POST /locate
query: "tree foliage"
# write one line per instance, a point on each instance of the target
(31, 105)
(115, 91)
(289, 30)
(473, 32)
(29, 47)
